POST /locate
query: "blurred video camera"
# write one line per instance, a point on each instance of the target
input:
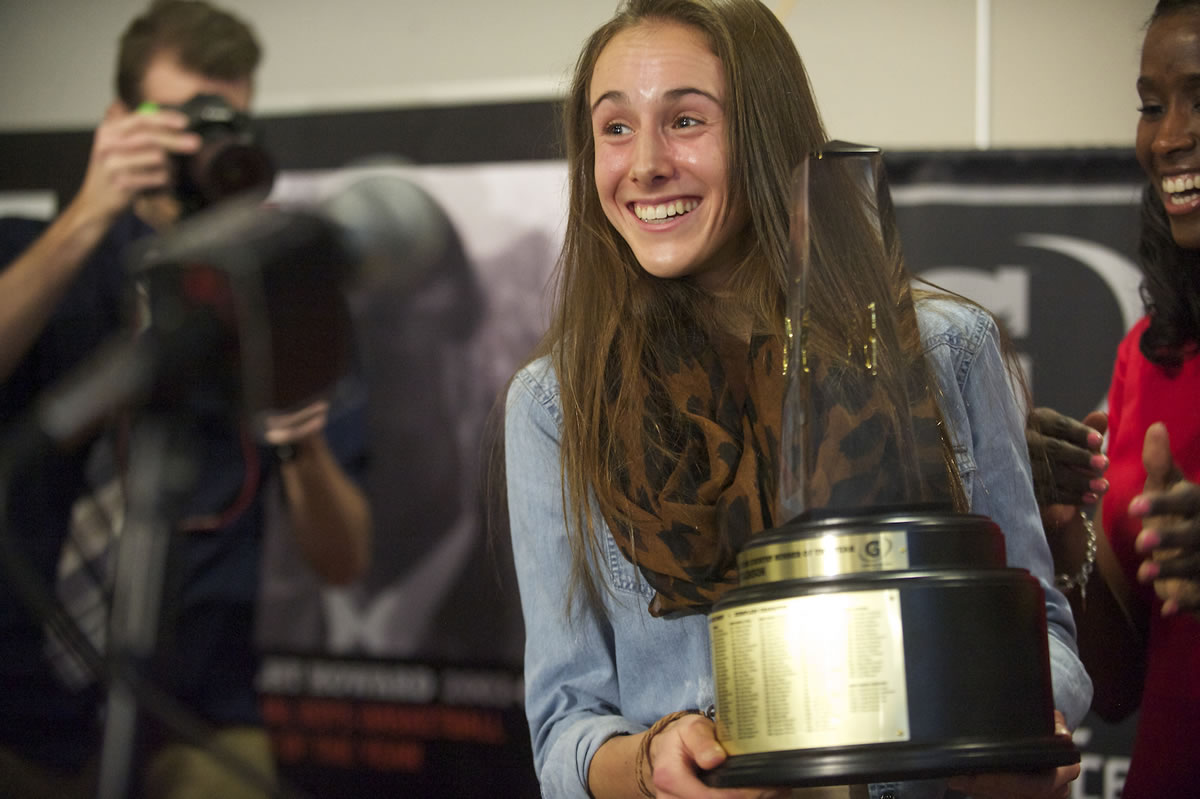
(231, 160)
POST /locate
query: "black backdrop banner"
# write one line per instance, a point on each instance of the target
(1053, 262)
(409, 683)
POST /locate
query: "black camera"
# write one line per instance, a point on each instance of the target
(230, 161)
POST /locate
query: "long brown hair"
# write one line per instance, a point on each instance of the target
(597, 346)
(613, 323)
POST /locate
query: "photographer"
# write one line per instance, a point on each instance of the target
(63, 291)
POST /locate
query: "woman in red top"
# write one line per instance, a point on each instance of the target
(1139, 627)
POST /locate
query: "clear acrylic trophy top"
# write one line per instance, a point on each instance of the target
(861, 427)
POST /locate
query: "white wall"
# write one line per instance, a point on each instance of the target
(898, 73)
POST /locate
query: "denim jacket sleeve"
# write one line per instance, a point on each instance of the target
(980, 407)
(607, 670)
(571, 688)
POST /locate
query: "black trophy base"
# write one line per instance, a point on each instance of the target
(856, 765)
(969, 655)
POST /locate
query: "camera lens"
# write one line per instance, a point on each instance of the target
(224, 168)
(230, 160)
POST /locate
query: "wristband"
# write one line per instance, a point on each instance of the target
(643, 753)
(285, 453)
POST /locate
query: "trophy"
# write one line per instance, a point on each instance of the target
(879, 635)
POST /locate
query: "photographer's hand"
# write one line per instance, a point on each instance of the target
(129, 156)
(292, 427)
(329, 513)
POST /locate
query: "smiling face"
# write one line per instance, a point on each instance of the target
(657, 98)
(1168, 132)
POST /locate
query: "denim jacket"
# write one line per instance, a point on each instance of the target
(601, 674)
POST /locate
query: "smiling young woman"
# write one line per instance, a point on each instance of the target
(1151, 512)
(641, 441)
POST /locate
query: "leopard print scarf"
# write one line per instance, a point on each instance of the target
(699, 475)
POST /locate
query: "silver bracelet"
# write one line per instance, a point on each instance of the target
(1067, 582)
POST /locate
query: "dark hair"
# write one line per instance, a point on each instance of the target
(205, 39)
(596, 346)
(1165, 7)
(1170, 287)
(609, 355)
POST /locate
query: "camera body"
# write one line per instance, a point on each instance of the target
(230, 161)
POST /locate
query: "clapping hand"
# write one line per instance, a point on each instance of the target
(1068, 468)
(1170, 537)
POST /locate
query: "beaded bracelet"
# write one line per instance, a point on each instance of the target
(643, 753)
(1067, 582)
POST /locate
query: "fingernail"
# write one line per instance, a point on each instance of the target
(1147, 571)
(1099, 462)
(1089, 498)
(1094, 439)
(1147, 540)
(1099, 486)
(1139, 506)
